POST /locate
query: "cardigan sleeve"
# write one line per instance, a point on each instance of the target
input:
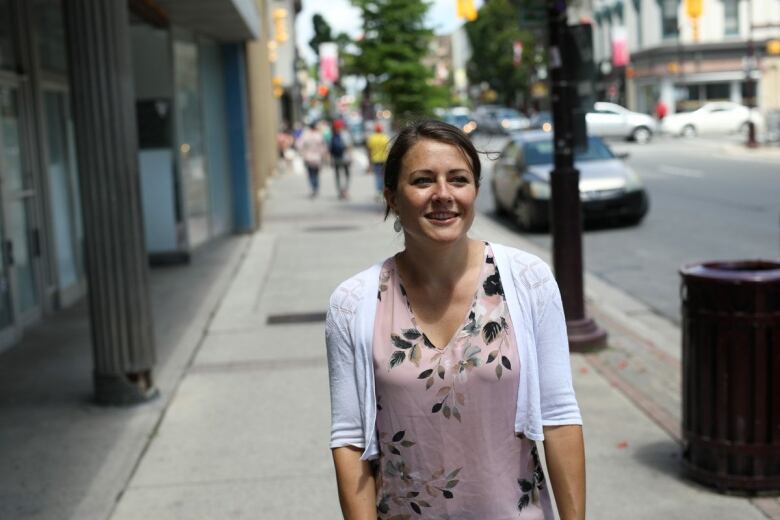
(346, 422)
(558, 402)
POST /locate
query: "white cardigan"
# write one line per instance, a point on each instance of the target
(545, 396)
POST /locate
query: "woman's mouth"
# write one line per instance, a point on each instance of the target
(441, 217)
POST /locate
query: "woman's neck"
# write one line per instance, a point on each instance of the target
(438, 266)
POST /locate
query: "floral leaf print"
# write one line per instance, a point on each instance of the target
(452, 474)
(471, 327)
(471, 351)
(399, 435)
(428, 343)
(492, 357)
(411, 334)
(425, 373)
(446, 411)
(506, 363)
(436, 408)
(456, 413)
(452, 484)
(499, 371)
(460, 398)
(440, 371)
(400, 517)
(525, 485)
(397, 358)
(415, 508)
(407, 444)
(447, 493)
(429, 383)
(490, 331)
(492, 285)
(399, 342)
(442, 391)
(523, 502)
(415, 355)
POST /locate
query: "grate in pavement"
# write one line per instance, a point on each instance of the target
(320, 229)
(295, 317)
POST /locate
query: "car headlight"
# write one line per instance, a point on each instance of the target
(539, 190)
(633, 182)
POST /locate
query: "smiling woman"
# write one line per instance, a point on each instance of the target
(449, 360)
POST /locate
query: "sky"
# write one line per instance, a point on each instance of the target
(342, 17)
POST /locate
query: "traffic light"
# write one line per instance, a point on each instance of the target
(465, 10)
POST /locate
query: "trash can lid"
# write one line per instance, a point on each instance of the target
(756, 271)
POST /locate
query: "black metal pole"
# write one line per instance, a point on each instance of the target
(566, 215)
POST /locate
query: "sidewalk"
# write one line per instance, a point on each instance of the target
(245, 435)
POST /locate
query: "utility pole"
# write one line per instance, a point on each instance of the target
(750, 66)
(566, 216)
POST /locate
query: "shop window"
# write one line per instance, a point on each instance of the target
(7, 47)
(717, 91)
(731, 17)
(50, 35)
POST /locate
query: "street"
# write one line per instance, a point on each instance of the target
(707, 202)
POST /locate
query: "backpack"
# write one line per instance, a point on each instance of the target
(337, 146)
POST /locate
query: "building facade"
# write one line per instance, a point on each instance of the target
(182, 142)
(683, 61)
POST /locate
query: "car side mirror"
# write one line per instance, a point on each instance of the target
(623, 155)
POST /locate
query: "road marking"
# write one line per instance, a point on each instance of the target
(678, 171)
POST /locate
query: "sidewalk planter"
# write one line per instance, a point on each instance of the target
(731, 374)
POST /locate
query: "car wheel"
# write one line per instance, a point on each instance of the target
(641, 135)
(688, 131)
(526, 218)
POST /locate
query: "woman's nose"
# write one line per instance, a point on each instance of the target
(442, 190)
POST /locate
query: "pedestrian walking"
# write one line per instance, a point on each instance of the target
(340, 150)
(449, 360)
(660, 110)
(313, 150)
(377, 144)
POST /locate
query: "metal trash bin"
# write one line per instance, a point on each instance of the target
(731, 374)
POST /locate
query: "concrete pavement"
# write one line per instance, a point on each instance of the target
(245, 435)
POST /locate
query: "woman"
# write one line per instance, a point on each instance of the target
(313, 150)
(449, 360)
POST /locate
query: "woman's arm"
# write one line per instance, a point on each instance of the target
(357, 488)
(564, 452)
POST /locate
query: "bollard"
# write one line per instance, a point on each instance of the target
(731, 374)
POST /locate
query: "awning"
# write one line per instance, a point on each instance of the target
(223, 20)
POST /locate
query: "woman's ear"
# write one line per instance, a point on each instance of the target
(390, 199)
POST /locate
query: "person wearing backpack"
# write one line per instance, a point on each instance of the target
(340, 147)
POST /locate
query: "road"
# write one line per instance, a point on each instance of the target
(705, 204)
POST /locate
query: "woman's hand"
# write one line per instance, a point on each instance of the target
(357, 487)
(564, 452)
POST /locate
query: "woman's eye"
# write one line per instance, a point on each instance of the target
(421, 180)
(461, 180)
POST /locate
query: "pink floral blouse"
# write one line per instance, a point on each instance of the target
(445, 413)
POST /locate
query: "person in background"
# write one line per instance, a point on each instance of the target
(313, 150)
(449, 360)
(340, 150)
(660, 110)
(377, 144)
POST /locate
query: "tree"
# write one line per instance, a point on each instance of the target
(394, 43)
(492, 36)
(322, 33)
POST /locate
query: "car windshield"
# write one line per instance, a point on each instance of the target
(508, 114)
(541, 152)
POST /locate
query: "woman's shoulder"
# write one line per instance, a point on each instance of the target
(531, 271)
(352, 291)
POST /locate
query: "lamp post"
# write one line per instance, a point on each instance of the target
(566, 217)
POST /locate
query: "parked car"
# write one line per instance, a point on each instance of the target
(611, 120)
(541, 121)
(721, 117)
(609, 189)
(494, 119)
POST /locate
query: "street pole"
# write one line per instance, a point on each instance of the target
(749, 81)
(584, 334)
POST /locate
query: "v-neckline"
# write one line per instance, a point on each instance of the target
(463, 320)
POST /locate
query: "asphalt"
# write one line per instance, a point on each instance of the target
(241, 428)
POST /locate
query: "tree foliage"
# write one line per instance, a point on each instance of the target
(492, 36)
(395, 41)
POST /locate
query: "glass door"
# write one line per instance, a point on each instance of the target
(18, 243)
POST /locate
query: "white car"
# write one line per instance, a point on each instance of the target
(722, 117)
(611, 120)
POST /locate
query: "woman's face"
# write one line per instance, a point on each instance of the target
(435, 194)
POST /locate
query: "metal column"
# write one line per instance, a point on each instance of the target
(107, 149)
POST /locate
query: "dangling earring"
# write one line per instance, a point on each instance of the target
(397, 224)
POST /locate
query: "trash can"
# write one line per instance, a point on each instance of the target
(731, 374)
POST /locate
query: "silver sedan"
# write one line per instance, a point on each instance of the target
(609, 189)
(611, 120)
